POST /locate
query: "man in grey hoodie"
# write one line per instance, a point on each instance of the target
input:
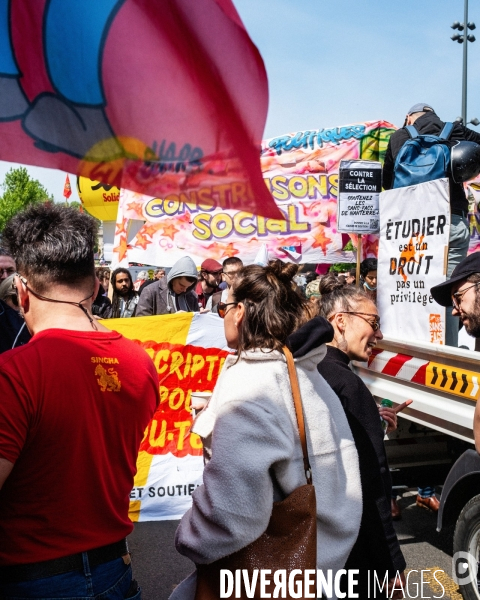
(173, 293)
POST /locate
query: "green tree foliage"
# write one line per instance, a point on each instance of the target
(19, 190)
(341, 267)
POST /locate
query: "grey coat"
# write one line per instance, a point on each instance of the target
(159, 298)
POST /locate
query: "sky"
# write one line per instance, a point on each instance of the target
(332, 63)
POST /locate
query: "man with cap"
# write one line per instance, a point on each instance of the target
(423, 117)
(210, 278)
(462, 292)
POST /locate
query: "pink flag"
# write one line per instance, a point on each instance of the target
(164, 97)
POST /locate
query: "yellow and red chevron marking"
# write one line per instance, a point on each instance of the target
(460, 382)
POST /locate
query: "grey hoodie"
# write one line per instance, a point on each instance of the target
(184, 267)
(159, 299)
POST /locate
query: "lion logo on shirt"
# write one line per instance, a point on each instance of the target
(108, 379)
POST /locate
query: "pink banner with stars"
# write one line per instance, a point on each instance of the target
(301, 172)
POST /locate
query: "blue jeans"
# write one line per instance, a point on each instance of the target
(426, 492)
(110, 581)
(457, 251)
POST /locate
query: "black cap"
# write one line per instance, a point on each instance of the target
(442, 293)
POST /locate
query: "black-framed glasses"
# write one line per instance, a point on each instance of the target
(222, 308)
(457, 297)
(230, 273)
(375, 324)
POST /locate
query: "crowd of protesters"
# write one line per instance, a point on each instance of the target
(52, 302)
(51, 291)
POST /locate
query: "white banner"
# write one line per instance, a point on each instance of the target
(412, 258)
(360, 184)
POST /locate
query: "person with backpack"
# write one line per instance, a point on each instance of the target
(398, 172)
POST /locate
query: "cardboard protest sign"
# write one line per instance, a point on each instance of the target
(301, 172)
(360, 184)
(412, 257)
(188, 350)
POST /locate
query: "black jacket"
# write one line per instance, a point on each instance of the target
(377, 545)
(429, 123)
(12, 328)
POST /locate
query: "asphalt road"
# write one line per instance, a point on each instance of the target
(158, 567)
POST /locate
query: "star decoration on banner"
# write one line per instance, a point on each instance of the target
(136, 207)
(321, 240)
(230, 250)
(169, 231)
(149, 229)
(141, 241)
(370, 246)
(289, 241)
(120, 227)
(185, 218)
(121, 249)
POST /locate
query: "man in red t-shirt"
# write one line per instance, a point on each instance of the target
(74, 405)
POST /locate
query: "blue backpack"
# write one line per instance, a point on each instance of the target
(423, 157)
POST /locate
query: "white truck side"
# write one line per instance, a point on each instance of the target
(444, 384)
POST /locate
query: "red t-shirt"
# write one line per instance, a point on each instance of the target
(202, 296)
(73, 409)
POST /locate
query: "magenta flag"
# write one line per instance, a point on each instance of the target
(157, 96)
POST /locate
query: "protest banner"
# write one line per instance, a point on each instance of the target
(301, 172)
(412, 257)
(360, 184)
(90, 103)
(170, 462)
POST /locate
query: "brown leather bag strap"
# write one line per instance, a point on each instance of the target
(297, 401)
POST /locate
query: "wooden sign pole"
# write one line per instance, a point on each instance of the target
(359, 259)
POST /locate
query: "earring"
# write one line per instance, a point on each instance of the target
(342, 343)
(236, 324)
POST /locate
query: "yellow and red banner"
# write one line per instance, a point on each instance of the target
(188, 350)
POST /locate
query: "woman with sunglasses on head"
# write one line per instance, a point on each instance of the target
(356, 325)
(251, 441)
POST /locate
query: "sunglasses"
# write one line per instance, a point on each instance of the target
(457, 297)
(222, 308)
(374, 324)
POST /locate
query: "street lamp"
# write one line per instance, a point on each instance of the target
(461, 38)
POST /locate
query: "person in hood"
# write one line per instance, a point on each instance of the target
(171, 294)
(256, 456)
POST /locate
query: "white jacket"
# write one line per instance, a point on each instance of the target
(251, 418)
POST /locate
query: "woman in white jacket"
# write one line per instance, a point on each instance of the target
(251, 435)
